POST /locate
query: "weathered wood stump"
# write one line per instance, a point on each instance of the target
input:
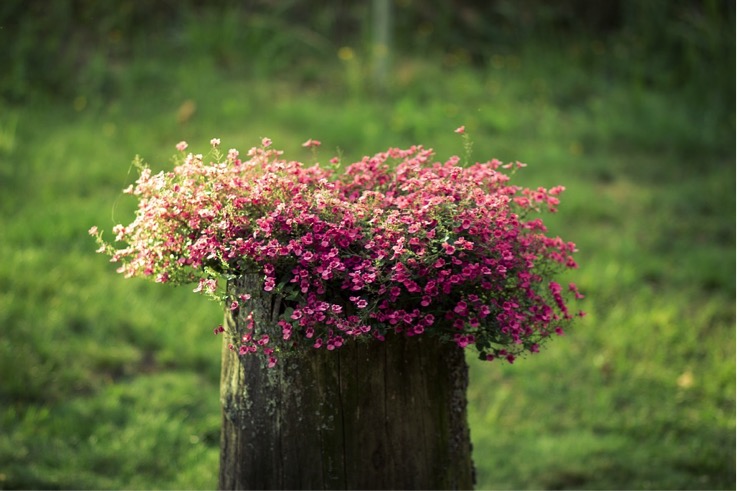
(374, 415)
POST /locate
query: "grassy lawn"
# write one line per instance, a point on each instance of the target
(113, 383)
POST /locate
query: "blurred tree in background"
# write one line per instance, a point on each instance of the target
(64, 46)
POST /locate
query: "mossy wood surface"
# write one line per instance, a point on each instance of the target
(373, 415)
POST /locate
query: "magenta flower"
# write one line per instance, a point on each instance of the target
(395, 242)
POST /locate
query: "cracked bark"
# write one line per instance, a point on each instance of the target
(388, 415)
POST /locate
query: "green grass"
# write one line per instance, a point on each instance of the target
(113, 383)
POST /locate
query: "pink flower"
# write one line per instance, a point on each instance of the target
(182, 146)
(460, 308)
(428, 246)
(206, 285)
(93, 230)
(311, 143)
(462, 341)
(573, 288)
(269, 284)
(460, 130)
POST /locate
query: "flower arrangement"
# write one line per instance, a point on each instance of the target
(393, 243)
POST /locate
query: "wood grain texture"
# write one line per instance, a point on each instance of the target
(373, 415)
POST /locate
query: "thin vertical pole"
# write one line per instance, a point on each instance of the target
(381, 49)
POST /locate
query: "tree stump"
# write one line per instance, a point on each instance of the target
(369, 415)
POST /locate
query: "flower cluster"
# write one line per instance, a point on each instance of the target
(393, 243)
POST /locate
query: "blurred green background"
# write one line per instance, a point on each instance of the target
(113, 383)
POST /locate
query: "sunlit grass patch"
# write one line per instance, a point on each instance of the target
(146, 433)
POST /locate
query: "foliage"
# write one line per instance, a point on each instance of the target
(393, 243)
(68, 47)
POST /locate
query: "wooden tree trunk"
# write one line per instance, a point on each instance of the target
(373, 415)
